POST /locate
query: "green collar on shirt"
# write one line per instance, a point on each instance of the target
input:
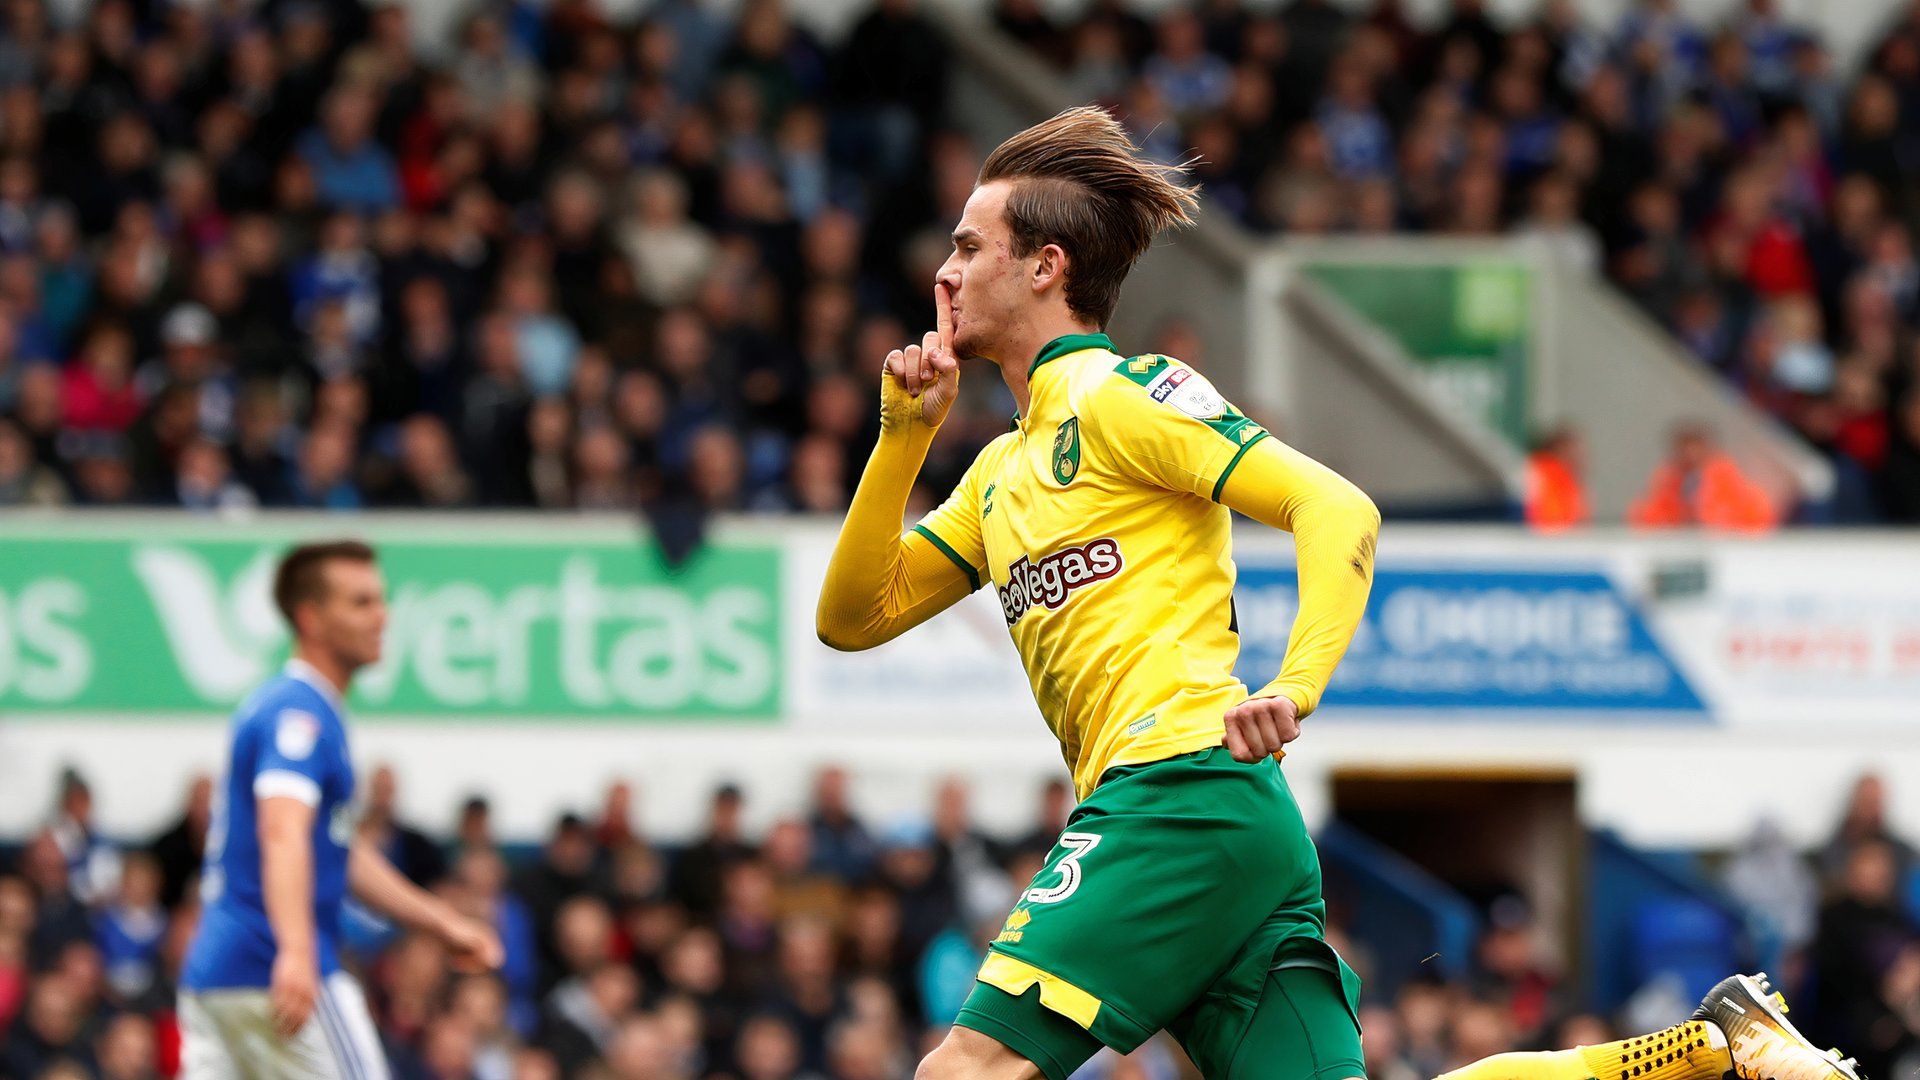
(1061, 346)
(1071, 343)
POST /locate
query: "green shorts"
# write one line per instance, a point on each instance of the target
(1183, 894)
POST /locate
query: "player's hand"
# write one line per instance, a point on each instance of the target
(1259, 727)
(474, 946)
(921, 381)
(291, 992)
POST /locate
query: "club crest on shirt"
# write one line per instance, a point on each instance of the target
(296, 733)
(1189, 391)
(1066, 451)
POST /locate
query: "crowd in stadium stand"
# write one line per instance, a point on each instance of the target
(1730, 177)
(272, 255)
(268, 255)
(825, 948)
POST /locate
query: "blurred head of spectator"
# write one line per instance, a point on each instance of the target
(50, 1028)
(602, 470)
(475, 825)
(1863, 818)
(127, 1049)
(716, 468)
(102, 474)
(99, 393)
(324, 476)
(430, 468)
(24, 481)
(204, 479)
(767, 1048)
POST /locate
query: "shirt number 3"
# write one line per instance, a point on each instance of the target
(1077, 844)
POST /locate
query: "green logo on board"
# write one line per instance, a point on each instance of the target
(1066, 451)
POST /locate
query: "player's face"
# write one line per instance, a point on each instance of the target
(988, 283)
(352, 617)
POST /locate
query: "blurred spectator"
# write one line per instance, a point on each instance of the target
(407, 848)
(967, 858)
(841, 845)
(1903, 460)
(1699, 485)
(93, 864)
(99, 393)
(180, 849)
(1864, 819)
(474, 829)
(351, 171)
(49, 1030)
(1771, 880)
(23, 480)
(428, 467)
(1510, 972)
(1556, 493)
(768, 1049)
(670, 254)
(615, 829)
(800, 889)
(128, 929)
(584, 1014)
(204, 480)
(565, 869)
(700, 870)
(128, 1049)
(1862, 935)
(323, 477)
(1051, 811)
(482, 875)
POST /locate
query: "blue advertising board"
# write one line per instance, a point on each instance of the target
(1483, 640)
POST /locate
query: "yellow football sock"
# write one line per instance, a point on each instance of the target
(1694, 1050)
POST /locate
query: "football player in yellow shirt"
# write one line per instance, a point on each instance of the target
(1184, 893)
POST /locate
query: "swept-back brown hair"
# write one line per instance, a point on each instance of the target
(1080, 182)
(302, 574)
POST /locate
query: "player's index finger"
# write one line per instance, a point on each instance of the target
(943, 314)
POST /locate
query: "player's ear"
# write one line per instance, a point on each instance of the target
(1050, 268)
(304, 613)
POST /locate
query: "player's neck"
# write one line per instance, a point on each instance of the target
(1014, 374)
(1018, 352)
(337, 674)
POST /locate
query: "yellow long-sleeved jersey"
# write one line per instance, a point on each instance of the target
(1102, 521)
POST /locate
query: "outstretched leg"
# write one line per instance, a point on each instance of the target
(1739, 1032)
(998, 1036)
(968, 1055)
(1695, 1050)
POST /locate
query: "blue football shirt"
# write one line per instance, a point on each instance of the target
(289, 739)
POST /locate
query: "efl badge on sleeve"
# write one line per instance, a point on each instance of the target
(1189, 391)
(296, 734)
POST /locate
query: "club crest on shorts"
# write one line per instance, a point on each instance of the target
(1066, 451)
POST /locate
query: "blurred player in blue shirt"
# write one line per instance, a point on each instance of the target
(263, 994)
